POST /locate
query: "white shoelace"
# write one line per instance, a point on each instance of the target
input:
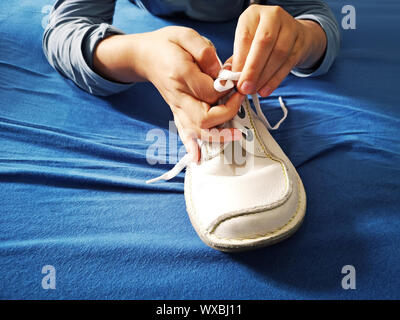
(229, 77)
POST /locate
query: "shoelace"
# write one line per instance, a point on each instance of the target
(227, 76)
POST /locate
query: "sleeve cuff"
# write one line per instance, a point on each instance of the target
(95, 83)
(330, 52)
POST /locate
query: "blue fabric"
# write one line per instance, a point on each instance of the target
(72, 171)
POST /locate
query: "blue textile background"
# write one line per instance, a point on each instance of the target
(73, 166)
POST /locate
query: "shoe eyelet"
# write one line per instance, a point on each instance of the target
(241, 113)
(248, 135)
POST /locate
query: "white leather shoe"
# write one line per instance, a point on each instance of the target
(239, 206)
(259, 206)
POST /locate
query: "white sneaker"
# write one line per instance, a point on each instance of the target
(239, 205)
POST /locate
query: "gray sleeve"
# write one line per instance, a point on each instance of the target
(319, 12)
(74, 29)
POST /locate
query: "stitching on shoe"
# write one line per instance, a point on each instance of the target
(250, 211)
(193, 210)
(261, 142)
(299, 202)
(284, 171)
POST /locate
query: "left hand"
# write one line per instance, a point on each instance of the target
(269, 43)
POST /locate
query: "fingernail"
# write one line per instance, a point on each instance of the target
(227, 66)
(265, 92)
(247, 87)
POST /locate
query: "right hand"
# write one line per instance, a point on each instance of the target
(182, 65)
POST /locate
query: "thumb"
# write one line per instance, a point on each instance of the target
(219, 114)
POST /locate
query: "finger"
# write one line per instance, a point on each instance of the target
(215, 135)
(224, 112)
(205, 117)
(190, 129)
(201, 86)
(191, 111)
(244, 35)
(188, 140)
(260, 50)
(228, 63)
(284, 70)
(226, 66)
(280, 53)
(201, 49)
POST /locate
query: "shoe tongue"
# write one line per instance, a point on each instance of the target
(242, 122)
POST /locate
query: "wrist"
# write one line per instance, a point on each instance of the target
(114, 59)
(315, 43)
(139, 52)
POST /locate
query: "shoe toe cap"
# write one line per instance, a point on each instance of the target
(251, 226)
(258, 228)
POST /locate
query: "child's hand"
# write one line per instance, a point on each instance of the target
(269, 43)
(182, 65)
